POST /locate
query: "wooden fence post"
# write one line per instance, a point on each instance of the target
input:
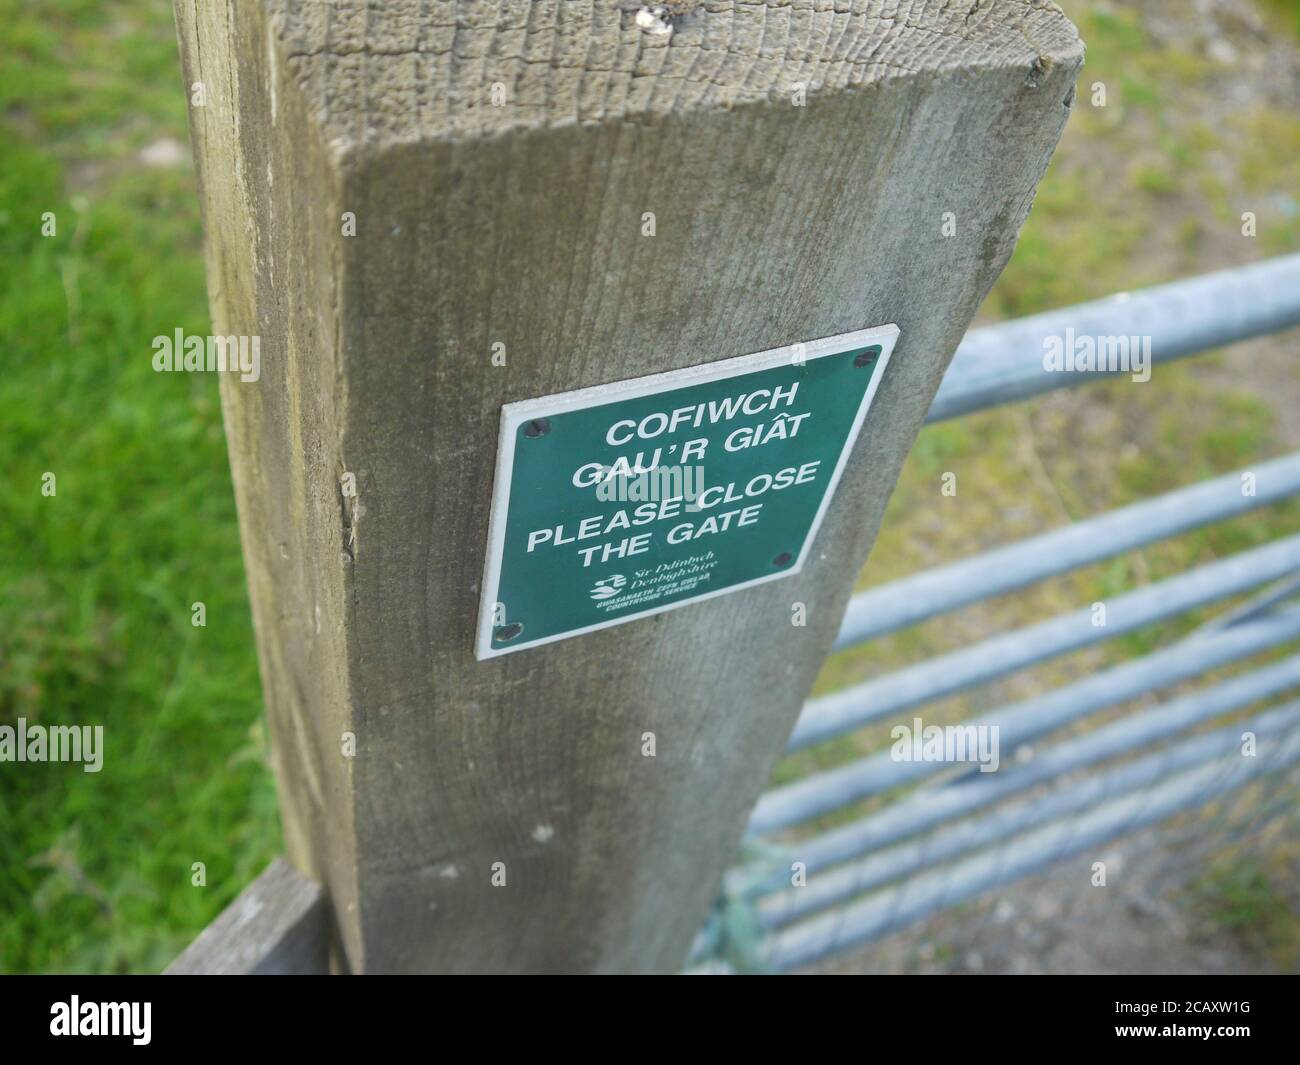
(428, 210)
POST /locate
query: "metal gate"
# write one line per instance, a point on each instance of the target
(931, 846)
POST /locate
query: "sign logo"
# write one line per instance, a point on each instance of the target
(608, 587)
(695, 483)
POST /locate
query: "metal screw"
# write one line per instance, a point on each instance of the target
(505, 633)
(866, 358)
(537, 427)
(783, 559)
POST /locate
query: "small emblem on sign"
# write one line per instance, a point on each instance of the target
(629, 499)
(607, 587)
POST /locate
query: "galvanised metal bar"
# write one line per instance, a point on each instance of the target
(835, 885)
(928, 807)
(913, 599)
(1262, 603)
(920, 896)
(1027, 720)
(1004, 363)
(884, 696)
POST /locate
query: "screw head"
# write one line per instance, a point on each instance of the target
(537, 427)
(866, 358)
(505, 633)
(783, 559)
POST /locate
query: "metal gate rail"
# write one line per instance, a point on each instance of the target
(878, 873)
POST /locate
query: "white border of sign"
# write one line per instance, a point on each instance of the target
(514, 414)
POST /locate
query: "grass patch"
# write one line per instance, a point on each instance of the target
(1243, 899)
(99, 577)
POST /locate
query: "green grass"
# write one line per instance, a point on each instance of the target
(98, 579)
(1285, 14)
(97, 582)
(1246, 900)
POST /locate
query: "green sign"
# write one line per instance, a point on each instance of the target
(629, 499)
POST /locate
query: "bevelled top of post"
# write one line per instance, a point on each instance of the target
(380, 72)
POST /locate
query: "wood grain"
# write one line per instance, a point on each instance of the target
(522, 224)
(279, 925)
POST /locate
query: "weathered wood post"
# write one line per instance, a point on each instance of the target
(428, 210)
